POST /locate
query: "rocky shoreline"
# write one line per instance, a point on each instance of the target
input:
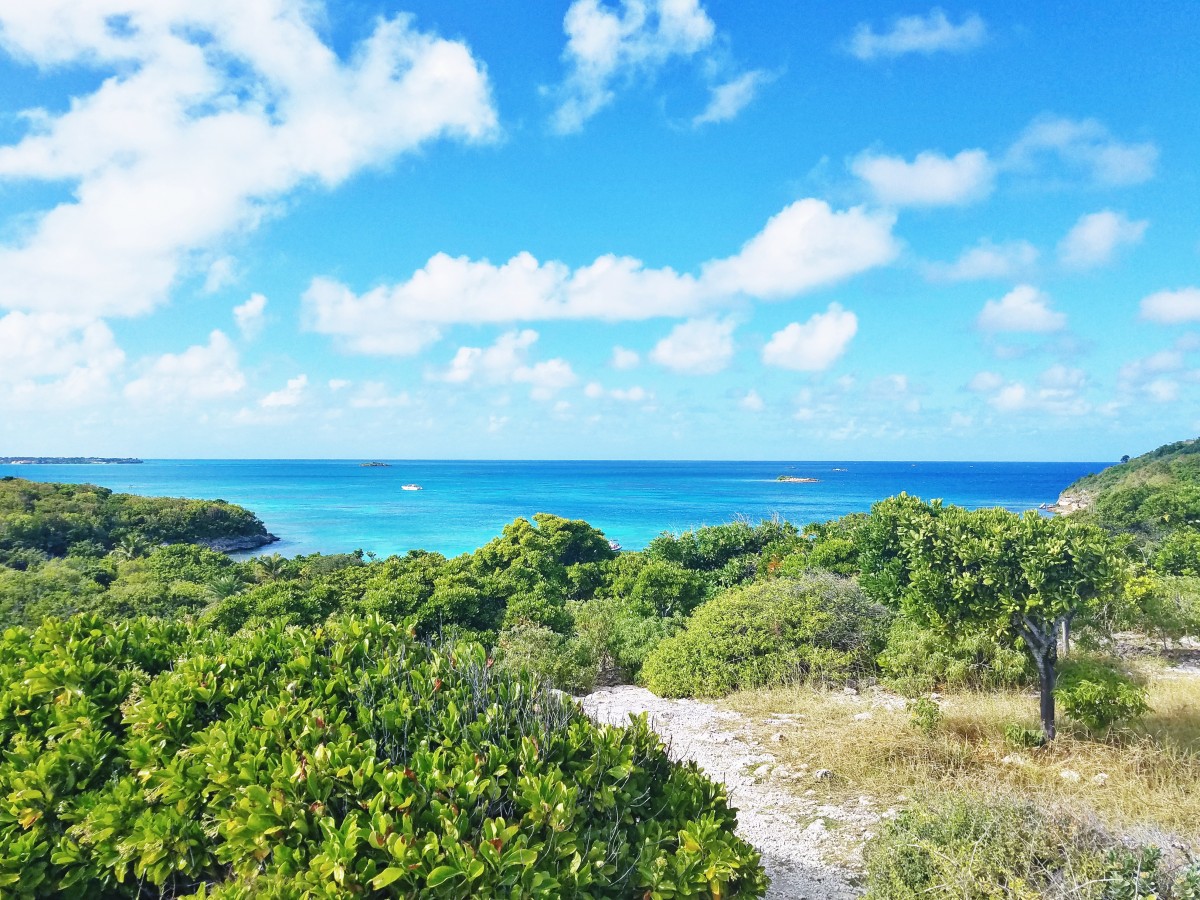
(238, 543)
(1072, 501)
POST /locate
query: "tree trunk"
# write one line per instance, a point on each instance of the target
(1046, 680)
(1066, 637)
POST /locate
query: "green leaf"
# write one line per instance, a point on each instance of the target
(441, 874)
(386, 877)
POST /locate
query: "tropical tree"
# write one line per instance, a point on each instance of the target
(131, 546)
(1023, 577)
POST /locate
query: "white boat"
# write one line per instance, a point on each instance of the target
(411, 487)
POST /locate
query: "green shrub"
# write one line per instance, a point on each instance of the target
(970, 849)
(621, 636)
(918, 660)
(926, 715)
(345, 760)
(1098, 694)
(1022, 736)
(769, 633)
(567, 663)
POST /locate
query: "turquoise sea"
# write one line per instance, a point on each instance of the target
(337, 505)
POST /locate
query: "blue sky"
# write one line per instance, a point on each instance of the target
(620, 229)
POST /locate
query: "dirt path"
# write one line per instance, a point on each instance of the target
(795, 835)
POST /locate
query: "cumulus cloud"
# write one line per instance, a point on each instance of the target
(927, 34)
(291, 394)
(375, 395)
(985, 260)
(1172, 307)
(634, 394)
(1083, 147)
(1094, 239)
(696, 347)
(1023, 309)
(1058, 392)
(623, 358)
(505, 362)
(985, 382)
(606, 47)
(201, 372)
(805, 246)
(250, 317)
(51, 360)
(205, 116)
(752, 401)
(730, 98)
(814, 345)
(931, 179)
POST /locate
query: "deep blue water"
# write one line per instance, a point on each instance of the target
(337, 505)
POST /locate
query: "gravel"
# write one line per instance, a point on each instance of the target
(795, 835)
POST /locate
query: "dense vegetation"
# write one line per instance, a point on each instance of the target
(918, 595)
(41, 521)
(160, 759)
(1150, 496)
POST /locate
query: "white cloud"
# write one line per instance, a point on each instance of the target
(1083, 146)
(594, 390)
(623, 358)
(375, 395)
(1162, 390)
(805, 246)
(207, 114)
(605, 47)
(48, 360)
(339, 384)
(985, 382)
(1094, 239)
(546, 378)
(931, 179)
(728, 99)
(202, 372)
(752, 401)
(221, 272)
(504, 362)
(635, 394)
(1172, 307)
(1061, 378)
(928, 34)
(1053, 398)
(290, 395)
(985, 260)
(250, 315)
(495, 363)
(696, 347)
(1023, 309)
(815, 345)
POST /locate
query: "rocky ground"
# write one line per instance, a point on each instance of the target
(810, 850)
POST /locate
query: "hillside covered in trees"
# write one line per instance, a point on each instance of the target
(1151, 495)
(41, 521)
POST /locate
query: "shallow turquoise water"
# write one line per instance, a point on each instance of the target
(337, 505)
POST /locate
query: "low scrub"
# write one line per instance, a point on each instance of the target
(918, 660)
(816, 626)
(969, 849)
(1098, 694)
(347, 759)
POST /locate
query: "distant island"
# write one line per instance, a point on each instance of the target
(69, 461)
(796, 479)
(375, 465)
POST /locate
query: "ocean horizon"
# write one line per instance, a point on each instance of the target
(340, 505)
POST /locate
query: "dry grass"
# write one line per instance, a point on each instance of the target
(1144, 782)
